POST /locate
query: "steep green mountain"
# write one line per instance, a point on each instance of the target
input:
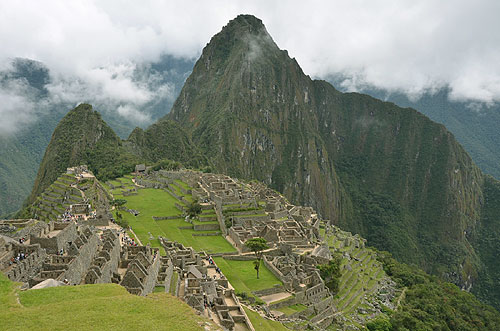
(388, 173)
(22, 151)
(82, 137)
(165, 140)
(474, 125)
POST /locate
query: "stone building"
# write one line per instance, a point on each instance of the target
(104, 267)
(143, 264)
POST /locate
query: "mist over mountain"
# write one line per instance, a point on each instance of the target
(473, 123)
(44, 101)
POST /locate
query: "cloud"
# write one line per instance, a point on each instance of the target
(96, 49)
(13, 99)
(20, 102)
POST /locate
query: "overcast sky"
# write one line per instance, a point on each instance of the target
(92, 47)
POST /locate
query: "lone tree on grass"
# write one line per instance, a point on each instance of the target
(257, 245)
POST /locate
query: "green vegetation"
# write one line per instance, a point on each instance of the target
(292, 309)
(379, 324)
(92, 307)
(487, 243)
(262, 324)
(166, 164)
(241, 275)
(330, 273)
(166, 140)
(193, 209)
(257, 245)
(82, 137)
(387, 173)
(431, 304)
(153, 202)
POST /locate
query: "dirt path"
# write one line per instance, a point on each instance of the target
(400, 298)
(136, 237)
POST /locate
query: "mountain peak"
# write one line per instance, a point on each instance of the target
(246, 21)
(245, 34)
(81, 137)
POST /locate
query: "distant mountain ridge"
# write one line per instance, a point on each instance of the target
(21, 152)
(474, 124)
(388, 173)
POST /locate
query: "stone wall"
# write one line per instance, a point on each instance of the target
(60, 240)
(268, 291)
(240, 219)
(169, 272)
(206, 227)
(103, 221)
(27, 268)
(276, 272)
(78, 268)
(220, 218)
(316, 293)
(285, 303)
(106, 261)
(152, 276)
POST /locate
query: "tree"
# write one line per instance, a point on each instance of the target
(379, 324)
(194, 209)
(118, 203)
(257, 245)
(330, 273)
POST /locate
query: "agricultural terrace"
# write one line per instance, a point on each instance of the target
(262, 324)
(159, 203)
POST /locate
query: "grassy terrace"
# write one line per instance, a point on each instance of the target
(179, 182)
(354, 284)
(242, 275)
(176, 188)
(262, 324)
(153, 202)
(92, 307)
(292, 309)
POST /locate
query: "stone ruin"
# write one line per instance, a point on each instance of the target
(81, 172)
(77, 247)
(64, 251)
(22, 269)
(104, 267)
(142, 264)
(243, 211)
(203, 288)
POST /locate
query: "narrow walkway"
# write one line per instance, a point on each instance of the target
(401, 296)
(136, 237)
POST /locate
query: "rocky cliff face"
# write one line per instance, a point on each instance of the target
(385, 172)
(247, 107)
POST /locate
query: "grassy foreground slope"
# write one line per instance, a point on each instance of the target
(92, 307)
